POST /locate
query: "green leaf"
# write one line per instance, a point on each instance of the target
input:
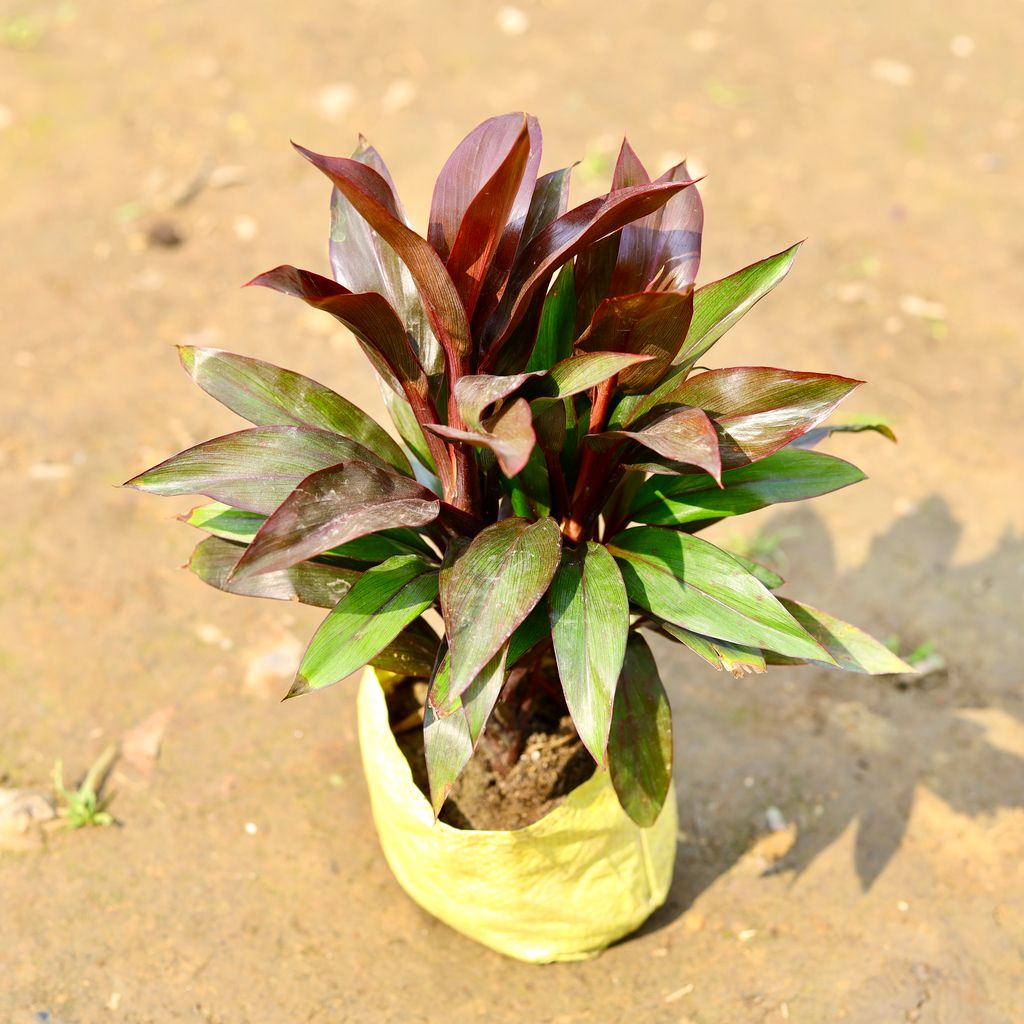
(235, 524)
(334, 506)
(787, 475)
(691, 583)
(720, 304)
(252, 469)
(772, 580)
(268, 396)
(384, 600)
(447, 748)
(528, 490)
(581, 372)
(589, 614)
(557, 323)
(851, 648)
(720, 654)
(492, 586)
(314, 583)
(855, 425)
(640, 742)
(411, 653)
(409, 429)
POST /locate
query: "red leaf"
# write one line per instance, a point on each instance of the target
(371, 196)
(485, 223)
(563, 239)
(331, 507)
(759, 409)
(686, 436)
(509, 434)
(648, 323)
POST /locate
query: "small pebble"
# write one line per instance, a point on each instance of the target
(775, 819)
(334, 101)
(747, 934)
(704, 40)
(893, 72)
(251, 828)
(163, 234)
(398, 95)
(245, 228)
(49, 471)
(961, 46)
(902, 906)
(673, 997)
(512, 21)
(208, 633)
(922, 309)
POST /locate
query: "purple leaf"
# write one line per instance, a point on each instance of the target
(334, 506)
(647, 323)
(509, 434)
(759, 409)
(563, 239)
(315, 583)
(684, 436)
(370, 195)
(368, 315)
(662, 250)
(252, 469)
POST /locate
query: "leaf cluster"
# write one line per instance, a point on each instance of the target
(560, 452)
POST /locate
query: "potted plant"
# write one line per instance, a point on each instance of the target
(562, 450)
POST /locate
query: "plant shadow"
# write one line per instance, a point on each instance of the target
(826, 750)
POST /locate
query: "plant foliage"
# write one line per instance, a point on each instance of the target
(560, 452)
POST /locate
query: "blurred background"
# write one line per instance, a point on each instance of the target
(850, 849)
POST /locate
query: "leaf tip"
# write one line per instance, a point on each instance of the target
(298, 688)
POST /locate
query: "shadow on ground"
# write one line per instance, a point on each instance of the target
(832, 750)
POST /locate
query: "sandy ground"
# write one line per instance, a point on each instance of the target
(243, 882)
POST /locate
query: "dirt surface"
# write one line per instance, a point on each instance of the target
(491, 793)
(848, 851)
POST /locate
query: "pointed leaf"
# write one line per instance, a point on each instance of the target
(252, 469)
(312, 583)
(691, 583)
(369, 193)
(476, 392)
(565, 237)
(583, 371)
(719, 305)
(640, 741)
(363, 262)
(235, 524)
(488, 167)
(491, 588)
(548, 200)
(662, 250)
(268, 396)
(384, 600)
(772, 580)
(509, 434)
(589, 614)
(787, 475)
(856, 424)
(686, 436)
(647, 323)
(410, 432)
(852, 648)
(368, 315)
(719, 654)
(447, 748)
(332, 507)
(760, 409)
